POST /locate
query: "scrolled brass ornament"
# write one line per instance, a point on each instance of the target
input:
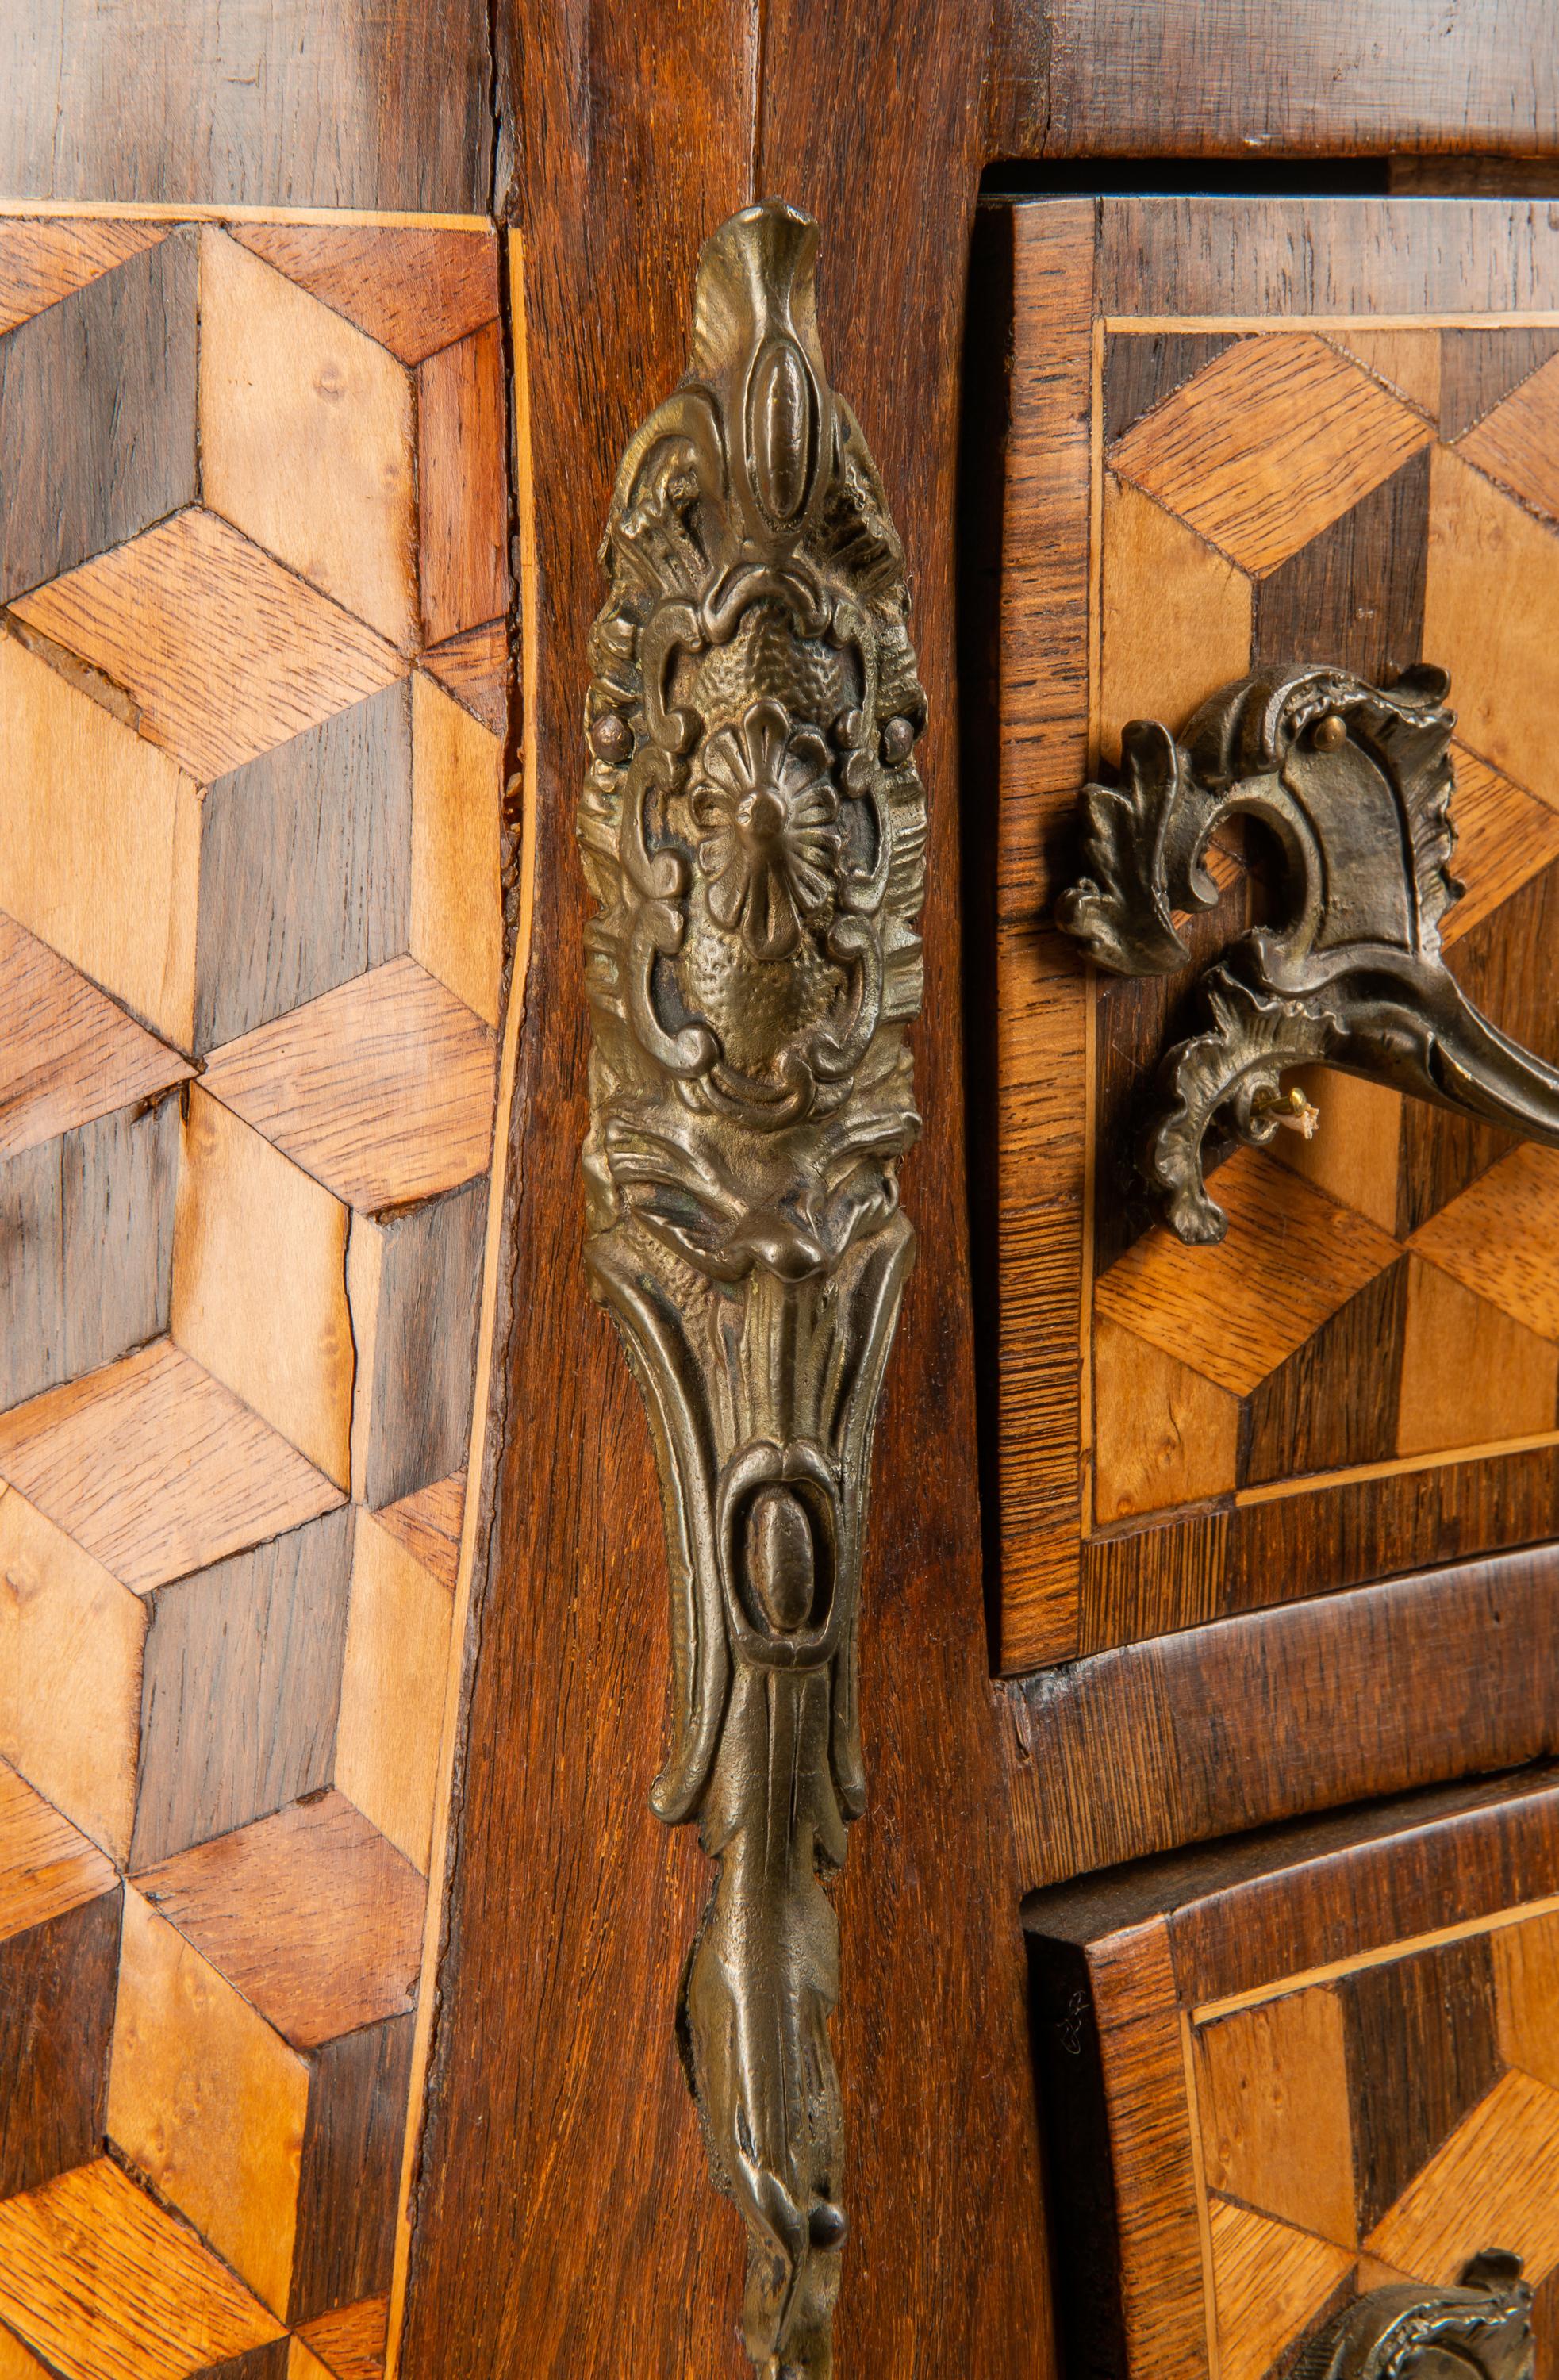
(1354, 781)
(753, 829)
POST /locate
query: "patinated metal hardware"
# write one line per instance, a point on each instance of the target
(1481, 2330)
(1354, 782)
(753, 828)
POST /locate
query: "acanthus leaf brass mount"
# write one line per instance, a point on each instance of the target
(753, 827)
(1354, 784)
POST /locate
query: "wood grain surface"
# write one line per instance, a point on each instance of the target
(397, 1655)
(1317, 1896)
(382, 1089)
(71, 1641)
(49, 1866)
(305, 867)
(306, 437)
(428, 1525)
(353, 2339)
(1107, 78)
(412, 290)
(1221, 256)
(120, 905)
(161, 2304)
(168, 615)
(351, 2164)
(313, 1915)
(40, 263)
(207, 2101)
(1341, 2105)
(88, 1221)
(240, 1686)
(260, 1284)
(132, 455)
(277, 102)
(298, 104)
(57, 2021)
(72, 1055)
(1115, 1756)
(1030, 650)
(619, 177)
(461, 485)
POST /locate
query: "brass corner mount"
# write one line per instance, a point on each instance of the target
(753, 827)
(1354, 782)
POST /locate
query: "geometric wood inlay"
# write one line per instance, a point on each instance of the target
(110, 2288)
(382, 1089)
(71, 1055)
(1354, 1997)
(46, 1865)
(41, 262)
(224, 651)
(414, 291)
(156, 1468)
(1363, 1379)
(254, 696)
(310, 1914)
(1268, 443)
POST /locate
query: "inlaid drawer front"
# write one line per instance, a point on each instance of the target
(1243, 436)
(253, 711)
(1285, 2074)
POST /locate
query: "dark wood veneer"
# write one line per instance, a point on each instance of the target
(1254, 1718)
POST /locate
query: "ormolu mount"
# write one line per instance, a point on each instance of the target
(1354, 781)
(753, 829)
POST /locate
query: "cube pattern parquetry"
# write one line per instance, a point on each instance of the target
(253, 673)
(1386, 2125)
(1390, 1290)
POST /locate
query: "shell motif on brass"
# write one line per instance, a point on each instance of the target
(753, 829)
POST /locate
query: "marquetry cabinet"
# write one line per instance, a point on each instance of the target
(577, 587)
(1256, 1501)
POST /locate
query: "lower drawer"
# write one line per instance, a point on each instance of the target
(1297, 2067)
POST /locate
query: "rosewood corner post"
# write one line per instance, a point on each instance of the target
(753, 826)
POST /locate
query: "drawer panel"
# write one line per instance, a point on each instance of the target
(1241, 436)
(1295, 2068)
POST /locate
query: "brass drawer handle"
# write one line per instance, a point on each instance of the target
(1481, 2330)
(1354, 782)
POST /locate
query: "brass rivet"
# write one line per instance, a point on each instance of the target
(1331, 732)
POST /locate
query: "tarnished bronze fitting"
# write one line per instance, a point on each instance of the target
(753, 829)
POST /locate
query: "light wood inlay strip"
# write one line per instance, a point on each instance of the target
(167, 210)
(1198, 2169)
(1273, 1490)
(1330, 325)
(483, 1446)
